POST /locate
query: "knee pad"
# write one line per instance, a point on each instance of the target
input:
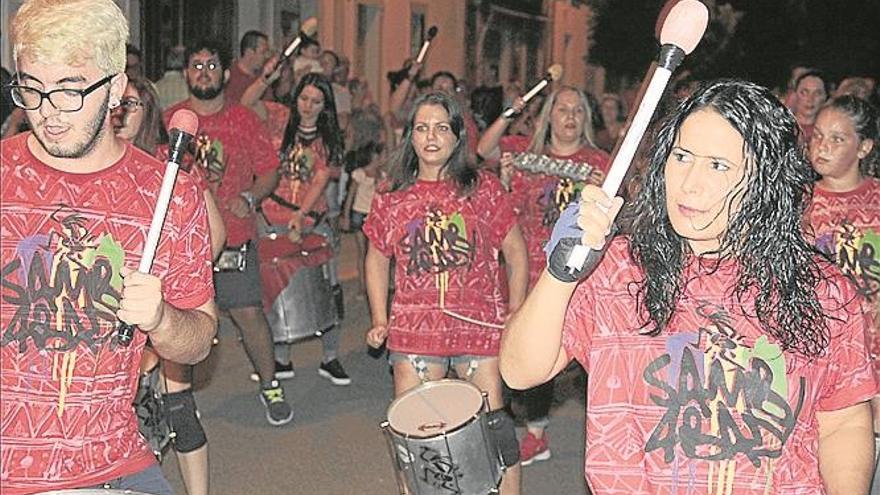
(503, 435)
(180, 408)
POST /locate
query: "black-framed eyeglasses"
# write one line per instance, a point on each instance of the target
(131, 105)
(65, 100)
(200, 66)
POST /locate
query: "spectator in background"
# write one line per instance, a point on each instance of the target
(171, 88)
(253, 53)
(307, 59)
(134, 61)
(861, 87)
(613, 114)
(810, 92)
(330, 67)
(12, 118)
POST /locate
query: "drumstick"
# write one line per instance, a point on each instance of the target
(682, 29)
(428, 38)
(554, 73)
(184, 125)
(308, 29)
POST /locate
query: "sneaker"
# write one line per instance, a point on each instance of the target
(532, 449)
(278, 411)
(334, 372)
(282, 372)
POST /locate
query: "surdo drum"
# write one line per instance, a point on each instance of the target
(296, 287)
(440, 441)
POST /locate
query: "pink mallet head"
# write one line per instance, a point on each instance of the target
(186, 121)
(683, 23)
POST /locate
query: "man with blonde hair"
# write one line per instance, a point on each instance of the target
(75, 207)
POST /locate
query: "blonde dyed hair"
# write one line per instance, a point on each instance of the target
(541, 137)
(71, 32)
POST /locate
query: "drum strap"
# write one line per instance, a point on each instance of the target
(293, 207)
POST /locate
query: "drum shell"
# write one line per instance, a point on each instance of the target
(462, 459)
(304, 307)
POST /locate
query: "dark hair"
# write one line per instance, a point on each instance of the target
(332, 54)
(864, 117)
(814, 73)
(328, 126)
(152, 132)
(6, 105)
(443, 73)
(307, 42)
(250, 40)
(777, 266)
(211, 46)
(133, 50)
(403, 167)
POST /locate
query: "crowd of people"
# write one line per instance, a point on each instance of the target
(728, 316)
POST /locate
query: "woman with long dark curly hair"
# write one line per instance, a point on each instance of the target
(721, 347)
(444, 223)
(311, 155)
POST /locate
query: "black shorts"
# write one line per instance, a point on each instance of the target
(243, 289)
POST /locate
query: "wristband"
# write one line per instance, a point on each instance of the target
(249, 198)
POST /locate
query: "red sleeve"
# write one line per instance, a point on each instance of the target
(189, 281)
(513, 144)
(577, 328)
(499, 202)
(259, 147)
(850, 378)
(376, 226)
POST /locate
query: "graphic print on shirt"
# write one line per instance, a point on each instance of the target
(437, 243)
(64, 287)
(725, 402)
(857, 253)
(297, 166)
(555, 197)
(209, 157)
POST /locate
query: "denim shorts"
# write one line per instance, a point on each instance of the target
(420, 362)
(150, 480)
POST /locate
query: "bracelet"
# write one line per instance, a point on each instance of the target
(249, 197)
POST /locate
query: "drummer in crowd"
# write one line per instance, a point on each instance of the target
(77, 202)
(311, 152)
(725, 354)
(234, 151)
(444, 223)
(563, 131)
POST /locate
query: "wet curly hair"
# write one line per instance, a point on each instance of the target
(777, 266)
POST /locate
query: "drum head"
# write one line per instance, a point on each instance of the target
(435, 407)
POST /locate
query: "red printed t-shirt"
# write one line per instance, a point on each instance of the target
(712, 405)
(538, 199)
(67, 388)
(446, 250)
(846, 227)
(239, 82)
(232, 147)
(299, 164)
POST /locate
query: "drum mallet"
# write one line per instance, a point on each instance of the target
(432, 32)
(554, 73)
(183, 126)
(680, 33)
